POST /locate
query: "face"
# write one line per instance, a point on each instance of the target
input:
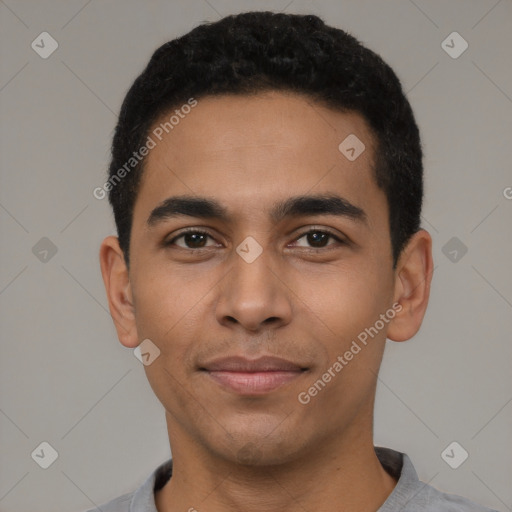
(253, 297)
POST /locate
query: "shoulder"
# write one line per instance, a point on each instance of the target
(142, 499)
(120, 504)
(430, 499)
(412, 495)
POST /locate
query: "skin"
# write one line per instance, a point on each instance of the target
(270, 452)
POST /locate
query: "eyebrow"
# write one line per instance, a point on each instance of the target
(298, 206)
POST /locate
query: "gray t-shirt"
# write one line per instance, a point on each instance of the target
(409, 494)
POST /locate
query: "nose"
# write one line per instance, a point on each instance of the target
(254, 295)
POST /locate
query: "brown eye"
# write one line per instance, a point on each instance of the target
(193, 239)
(317, 239)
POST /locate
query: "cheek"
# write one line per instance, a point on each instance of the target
(162, 304)
(167, 307)
(171, 306)
(345, 301)
(349, 303)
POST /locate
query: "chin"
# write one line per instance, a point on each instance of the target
(262, 450)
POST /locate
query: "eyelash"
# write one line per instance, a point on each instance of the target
(206, 233)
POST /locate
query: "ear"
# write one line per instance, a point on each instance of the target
(119, 293)
(413, 276)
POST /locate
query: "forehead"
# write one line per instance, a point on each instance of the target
(248, 151)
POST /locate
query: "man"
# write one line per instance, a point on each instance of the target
(266, 182)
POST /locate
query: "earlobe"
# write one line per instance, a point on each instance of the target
(118, 289)
(412, 286)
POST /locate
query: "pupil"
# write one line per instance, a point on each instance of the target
(195, 237)
(316, 235)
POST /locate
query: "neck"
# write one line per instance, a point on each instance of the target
(342, 475)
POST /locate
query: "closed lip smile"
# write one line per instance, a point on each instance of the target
(252, 376)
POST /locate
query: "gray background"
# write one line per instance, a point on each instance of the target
(65, 379)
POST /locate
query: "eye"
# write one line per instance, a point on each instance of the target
(192, 238)
(197, 239)
(318, 238)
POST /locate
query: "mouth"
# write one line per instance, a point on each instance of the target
(252, 377)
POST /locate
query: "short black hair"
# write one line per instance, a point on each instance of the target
(252, 52)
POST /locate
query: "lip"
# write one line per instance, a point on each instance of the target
(252, 376)
(242, 364)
